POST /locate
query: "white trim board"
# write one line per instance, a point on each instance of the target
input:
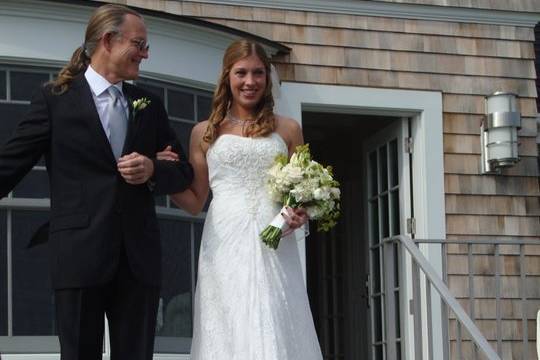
(425, 108)
(395, 10)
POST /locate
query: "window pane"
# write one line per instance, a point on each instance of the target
(23, 84)
(373, 190)
(377, 318)
(11, 115)
(183, 132)
(394, 213)
(153, 89)
(374, 221)
(385, 224)
(383, 161)
(208, 201)
(34, 185)
(394, 170)
(378, 353)
(3, 273)
(181, 105)
(160, 200)
(2, 84)
(33, 301)
(176, 290)
(397, 271)
(204, 105)
(198, 236)
(376, 269)
(397, 319)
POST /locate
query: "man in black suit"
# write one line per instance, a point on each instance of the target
(99, 136)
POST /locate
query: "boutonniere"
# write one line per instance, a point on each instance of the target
(140, 104)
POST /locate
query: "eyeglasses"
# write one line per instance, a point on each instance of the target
(141, 44)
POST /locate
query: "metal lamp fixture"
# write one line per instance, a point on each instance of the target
(498, 132)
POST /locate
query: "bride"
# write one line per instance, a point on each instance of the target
(250, 300)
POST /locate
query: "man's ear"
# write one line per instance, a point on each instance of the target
(106, 40)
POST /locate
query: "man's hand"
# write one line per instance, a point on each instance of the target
(135, 168)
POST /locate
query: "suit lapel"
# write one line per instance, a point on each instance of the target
(88, 111)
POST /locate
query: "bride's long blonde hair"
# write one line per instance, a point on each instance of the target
(264, 114)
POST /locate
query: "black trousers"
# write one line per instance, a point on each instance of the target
(131, 309)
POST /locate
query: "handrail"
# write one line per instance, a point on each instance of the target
(447, 296)
(479, 241)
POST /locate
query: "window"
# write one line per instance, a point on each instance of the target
(180, 236)
(26, 299)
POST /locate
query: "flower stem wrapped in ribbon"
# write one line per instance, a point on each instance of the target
(302, 182)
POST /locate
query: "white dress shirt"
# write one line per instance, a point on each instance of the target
(99, 86)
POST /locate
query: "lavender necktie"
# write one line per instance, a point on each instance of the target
(117, 122)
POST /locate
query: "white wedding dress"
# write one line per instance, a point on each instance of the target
(251, 301)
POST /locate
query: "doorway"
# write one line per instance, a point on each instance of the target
(340, 263)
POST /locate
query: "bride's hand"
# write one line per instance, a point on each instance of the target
(295, 218)
(167, 154)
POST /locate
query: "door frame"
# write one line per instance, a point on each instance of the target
(425, 108)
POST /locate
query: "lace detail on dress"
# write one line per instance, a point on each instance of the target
(251, 301)
(238, 165)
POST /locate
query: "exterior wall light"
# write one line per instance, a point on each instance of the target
(498, 132)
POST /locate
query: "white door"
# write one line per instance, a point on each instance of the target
(387, 210)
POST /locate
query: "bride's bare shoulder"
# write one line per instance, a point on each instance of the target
(288, 128)
(287, 123)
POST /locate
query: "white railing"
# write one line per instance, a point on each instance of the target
(422, 269)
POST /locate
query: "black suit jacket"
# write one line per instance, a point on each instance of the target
(94, 212)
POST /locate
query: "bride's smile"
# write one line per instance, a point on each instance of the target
(247, 80)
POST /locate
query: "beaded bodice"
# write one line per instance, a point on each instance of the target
(238, 168)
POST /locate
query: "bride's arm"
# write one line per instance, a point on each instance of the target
(291, 132)
(193, 199)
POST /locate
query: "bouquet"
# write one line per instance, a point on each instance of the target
(302, 182)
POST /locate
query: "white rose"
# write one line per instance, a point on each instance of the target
(293, 173)
(336, 193)
(321, 193)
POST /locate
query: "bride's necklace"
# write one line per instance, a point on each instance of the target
(239, 122)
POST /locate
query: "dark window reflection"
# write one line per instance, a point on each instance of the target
(3, 85)
(23, 84)
(34, 185)
(11, 115)
(3, 274)
(203, 107)
(181, 105)
(207, 204)
(160, 200)
(153, 89)
(183, 132)
(176, 293)
(33, 301)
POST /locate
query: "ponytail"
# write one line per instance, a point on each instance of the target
(79, 63)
